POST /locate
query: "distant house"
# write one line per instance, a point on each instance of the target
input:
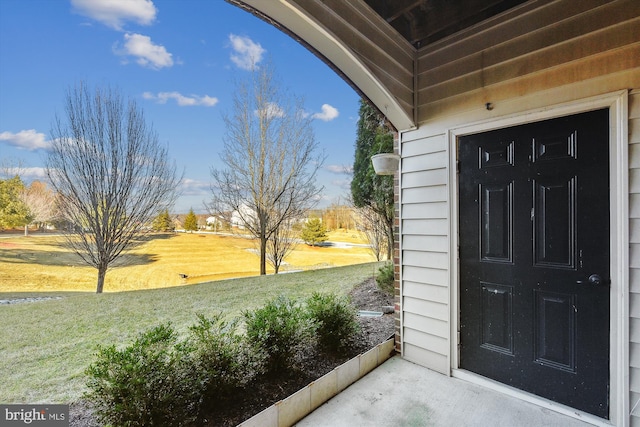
(214, 223)
(242, 216)
(518, 190)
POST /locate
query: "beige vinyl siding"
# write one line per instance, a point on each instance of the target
(425, 250)
(540, 46)
(634, 256)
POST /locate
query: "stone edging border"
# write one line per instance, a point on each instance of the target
(287, 412)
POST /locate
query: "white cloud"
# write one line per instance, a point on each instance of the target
(182, 100)
(27, 175)
(339, 169)
(192, 187)
(328, 113)
(26, 140)
(344, 184)
(248, 53)
(148, 54)
(114, 13)
(270, 111)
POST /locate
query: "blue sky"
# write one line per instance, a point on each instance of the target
(178, 60)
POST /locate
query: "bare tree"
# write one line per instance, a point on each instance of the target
(282, 242)
(270, 160)
(41, 202)
(374, 227)
(110, 172)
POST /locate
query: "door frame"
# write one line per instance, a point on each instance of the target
(619, 249)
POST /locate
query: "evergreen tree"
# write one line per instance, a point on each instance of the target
(163, 222)
(13, 211)
(369, 190)
(314, 232)
(191, 221)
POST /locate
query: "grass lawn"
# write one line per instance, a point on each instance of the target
(39, 263)
(47, 345)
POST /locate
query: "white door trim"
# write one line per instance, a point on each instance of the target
(619, 244)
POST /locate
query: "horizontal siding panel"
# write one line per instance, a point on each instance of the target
(634, 305)
(426, 308)
(634, 379)
(427, 325)
(634, 130)
(634, 280)
(437, 260)
(634, 330)
(436, 227)
(426, 292)
(426, 358)
(627, 58)
(471, 106)
(634, 181)
(634, 151)
(592, 45)
(635, 398)
(539, 50)
(424, 178)
(634, 230)
(437, 160)
(425, 275)
(634, 106)
(634, 355)
(426, 145)
(478, 39)
(634, 255)
(634, 205)
(358, 31)
(434, 210)
(426, 341)
(425, 243)
(397, 86)
(436, 193)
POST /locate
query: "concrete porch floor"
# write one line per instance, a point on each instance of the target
(401, 393)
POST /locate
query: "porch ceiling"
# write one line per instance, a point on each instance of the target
(422, 22)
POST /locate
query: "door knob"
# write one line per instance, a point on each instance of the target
(594, 280)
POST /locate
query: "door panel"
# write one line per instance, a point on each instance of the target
(534, 226)
(495, 222)
(497, 318)
(555, 330)
(555, 223)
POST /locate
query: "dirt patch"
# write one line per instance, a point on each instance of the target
(309, 366)
(8, 245)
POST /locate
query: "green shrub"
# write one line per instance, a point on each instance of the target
(220, 359)
(334, 318)
(145, 384)
(160, 381)
(385, 278)
(277, 331)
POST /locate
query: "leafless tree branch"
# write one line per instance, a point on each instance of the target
(270, 159)
(110, 172)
